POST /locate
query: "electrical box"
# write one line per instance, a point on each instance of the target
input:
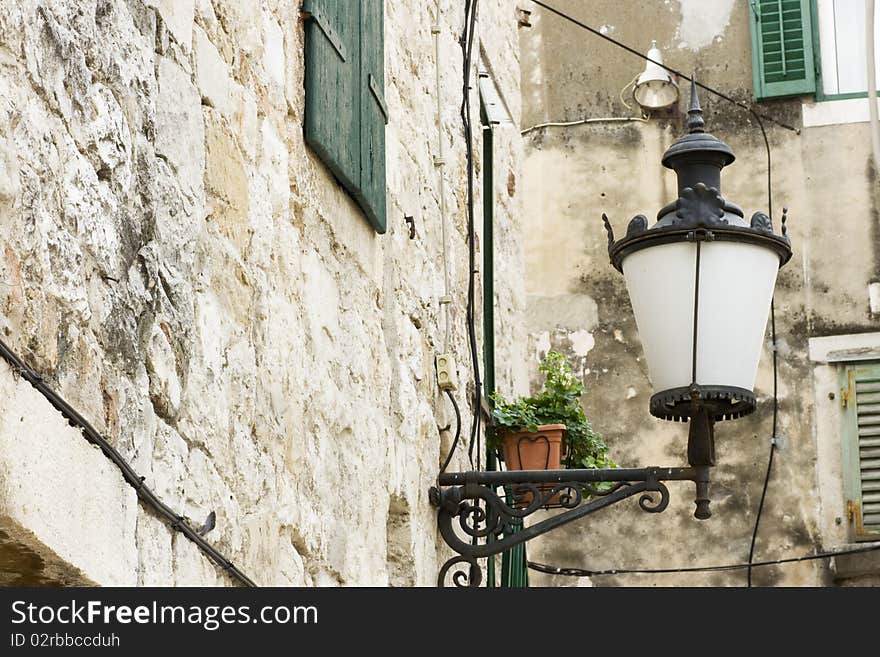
(447, 374)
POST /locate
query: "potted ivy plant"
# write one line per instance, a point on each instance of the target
(545, 430)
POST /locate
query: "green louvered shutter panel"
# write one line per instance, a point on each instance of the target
(371, 191)
(332, 68)
(860, 391)
(345, 113)
(782, 48)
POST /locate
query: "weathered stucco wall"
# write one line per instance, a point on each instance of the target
(192, 279)
(578, 302)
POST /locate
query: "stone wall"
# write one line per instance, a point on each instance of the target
(188, 274)
(578, 303)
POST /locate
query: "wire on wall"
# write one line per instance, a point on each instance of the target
(565, 124)
(772, 445)
(635, 52)
(457, 431)
(174, 520)
(467, 44)
(870, 44)
(627, 86)
(773, 346)
(582, 572)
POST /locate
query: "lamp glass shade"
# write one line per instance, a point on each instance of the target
(656, 94)
(735, 289)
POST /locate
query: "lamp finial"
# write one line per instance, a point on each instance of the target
(695, 121)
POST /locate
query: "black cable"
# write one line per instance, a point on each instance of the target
(175, 520)
(775, 369)
(581, 572)
(661, 64)
(457, 432)
(772, 445)
(769, 168)
(758, 516)
(467, 43)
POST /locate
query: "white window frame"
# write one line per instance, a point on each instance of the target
(839, 99)
(828, 355)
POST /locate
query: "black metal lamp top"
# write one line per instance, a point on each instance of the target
(697, 159)
(697, 156)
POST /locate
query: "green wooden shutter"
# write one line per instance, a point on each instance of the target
(332, 123)
(860, 394)
(345, 112)
(371, 191)
(782, 48)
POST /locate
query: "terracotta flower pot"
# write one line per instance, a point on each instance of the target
(534, 450)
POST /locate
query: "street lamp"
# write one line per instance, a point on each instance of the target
(700, 281)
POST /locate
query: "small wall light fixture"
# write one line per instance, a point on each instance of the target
(655, 89)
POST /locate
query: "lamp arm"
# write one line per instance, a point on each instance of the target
(470, 500)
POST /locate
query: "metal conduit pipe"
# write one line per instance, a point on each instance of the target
(564, 124)
(870, 42)
(439, 163)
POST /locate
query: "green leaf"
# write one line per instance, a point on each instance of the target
(558, 402)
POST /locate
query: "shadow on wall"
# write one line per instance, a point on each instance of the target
(21, 565)
(399, 544)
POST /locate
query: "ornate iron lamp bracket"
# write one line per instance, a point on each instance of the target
(492, 524)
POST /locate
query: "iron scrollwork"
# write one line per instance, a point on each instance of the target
(472, 578)
(477, 521)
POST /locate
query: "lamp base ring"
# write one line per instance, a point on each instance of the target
(723, 402)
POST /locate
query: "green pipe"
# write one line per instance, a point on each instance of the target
(489, 307)
(514, 568)
(488, 273)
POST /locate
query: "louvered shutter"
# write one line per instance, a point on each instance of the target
(371, 192)
(861, 449)
(345, 113)
(332, 57)
(782, 48)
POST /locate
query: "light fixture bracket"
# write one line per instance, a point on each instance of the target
(477, 522)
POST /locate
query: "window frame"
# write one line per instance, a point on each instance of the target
(850, 458)
(820, 94)
(765, 90)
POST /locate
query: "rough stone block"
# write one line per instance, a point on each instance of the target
(212, 74)
(226, 181)
(178, 16)
(180, 131)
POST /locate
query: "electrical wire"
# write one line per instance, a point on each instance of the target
(175, 520)
(467, 43)
(772, 446)
(635, 52)
(582, 572)
(565, 124)
(627, 86)
(773, 440)
(457, 432)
